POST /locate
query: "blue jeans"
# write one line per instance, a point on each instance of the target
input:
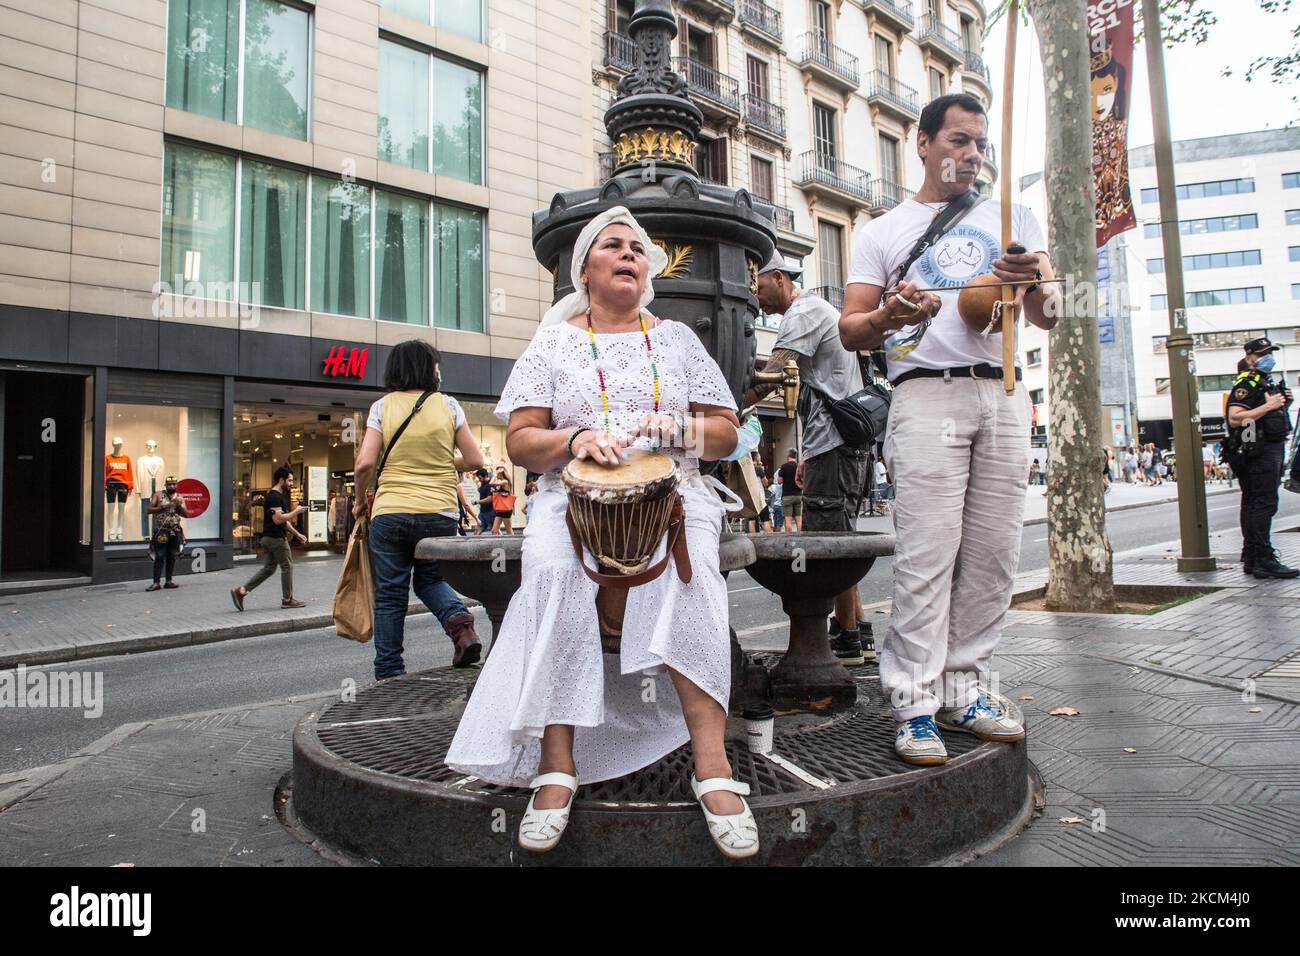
(393, 538)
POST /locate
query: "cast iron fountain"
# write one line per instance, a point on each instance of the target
(369, 776)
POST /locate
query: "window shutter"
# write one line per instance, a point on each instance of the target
(611, 15)
(683, 37)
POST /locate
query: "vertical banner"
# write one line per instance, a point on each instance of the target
(1110, 29)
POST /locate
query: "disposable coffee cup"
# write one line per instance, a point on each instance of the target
(759, 719)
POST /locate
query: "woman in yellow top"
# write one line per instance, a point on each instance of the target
(415, 498)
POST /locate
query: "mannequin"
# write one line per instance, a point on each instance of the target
(148, 471)
(118, 483)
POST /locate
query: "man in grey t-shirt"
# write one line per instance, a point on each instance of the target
(833, 475)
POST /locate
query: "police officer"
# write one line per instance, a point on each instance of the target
(1257, 417)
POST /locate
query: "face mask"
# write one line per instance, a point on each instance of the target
(1265, 363)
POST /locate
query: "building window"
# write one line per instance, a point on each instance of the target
(1243, 296)
(455, 145)
(889, 159)
(711, 161)
(1291, 180)
(937, 82)
(824, 138)
(821, 23)
(458, 268)
(1036, 396)
(1034, 357)
(830, 257)
(1294, 253)
(273, 236)
(401, 258)
(1194, 227)
(884, 55)
(459, 16)
(457, 121)
(203, 68)
(340, 247)
(1293, 217)
(760, 178)
(619, 15)
(403, 131)
(1211, 260)
(1219, 187)
(1295, 290)
(756, 71)
(198, 222)
(700, 47)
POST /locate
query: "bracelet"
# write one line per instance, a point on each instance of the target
(576, 432)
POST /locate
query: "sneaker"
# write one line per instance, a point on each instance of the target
(918, 742)
(865, 636)
(237, 598)
(847, 648)
(1268, 566)
(293, 602)
(981, 720)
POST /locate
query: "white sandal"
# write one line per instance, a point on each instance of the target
(540, 830)
(736, 834)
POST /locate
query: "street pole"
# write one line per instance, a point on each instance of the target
(1194, 532)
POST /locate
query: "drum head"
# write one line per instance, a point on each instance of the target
(642, 469)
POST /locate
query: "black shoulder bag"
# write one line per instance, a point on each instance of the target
(860, 419)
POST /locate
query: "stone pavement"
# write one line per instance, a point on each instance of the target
(53, 626)
(1213, 776)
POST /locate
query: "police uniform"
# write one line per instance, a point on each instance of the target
(1258, 465)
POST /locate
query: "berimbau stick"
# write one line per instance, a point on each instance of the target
(1008, 293)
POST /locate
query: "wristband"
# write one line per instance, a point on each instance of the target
(576, 432)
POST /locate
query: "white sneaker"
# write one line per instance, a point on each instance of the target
(982, 720)
(735, 834)
(918, 742)
(540, 830)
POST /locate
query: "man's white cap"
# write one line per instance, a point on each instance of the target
(777, 262)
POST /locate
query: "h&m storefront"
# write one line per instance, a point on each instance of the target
(96, 411)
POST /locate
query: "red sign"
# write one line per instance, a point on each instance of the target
(341, 361)
(1110, 27)
(195, 494)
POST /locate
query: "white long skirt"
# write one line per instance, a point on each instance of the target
(547, 666)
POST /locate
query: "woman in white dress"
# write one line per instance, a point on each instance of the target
(550, 707)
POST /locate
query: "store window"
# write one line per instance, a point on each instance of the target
(340, 247)
(198, 221)
(203, 67)
(458, 268)
(401, 258)
(273, 236)
(145, 444)
(459, 16)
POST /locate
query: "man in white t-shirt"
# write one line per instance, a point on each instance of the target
(957, 445)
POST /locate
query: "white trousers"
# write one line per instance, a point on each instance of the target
(958, 450)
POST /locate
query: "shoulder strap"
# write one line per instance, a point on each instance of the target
(949, 216)
(419, 403)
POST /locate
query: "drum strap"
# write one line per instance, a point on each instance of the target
(676, 550)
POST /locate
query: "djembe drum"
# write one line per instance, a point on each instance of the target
(621, 515)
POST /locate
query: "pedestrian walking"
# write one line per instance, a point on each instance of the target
(791, 492)
(277, 529)
(503, 502)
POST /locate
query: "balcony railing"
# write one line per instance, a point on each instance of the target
(943, 38)
(897, 94)
(897, 11)
(819, 169)
(707, 82)
(759, 112)
(819, 51)
(831, 293)
(972, 62)
(761, 17)
(620, 52)
(886, 194)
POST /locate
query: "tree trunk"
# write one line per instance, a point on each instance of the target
(1078, 551)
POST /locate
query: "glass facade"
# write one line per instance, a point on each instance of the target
(1193, 227)
(277, 62)
(401, 258)
(459, 16)
(340, 247)
(1211, 260)
(1244, 296)
(273, 236)
(403, 105)
(457, 138)
(458, 262)
(198, 221)
(203, 57)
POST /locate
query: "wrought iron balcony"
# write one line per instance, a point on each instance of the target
(830, 176)
(974, 68)
(943, 40)
(620, 52)
(897, 13)
(885, 195)
(768, 117)
(714, 88)
(889, 93)
(726, 8)
(833, 64)
(831, 293)
(762, 18)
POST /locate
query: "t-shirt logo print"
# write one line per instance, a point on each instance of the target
(957, 257)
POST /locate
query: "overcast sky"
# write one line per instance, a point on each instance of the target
(1202, 102)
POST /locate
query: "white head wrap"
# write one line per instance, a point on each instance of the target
(577, 302)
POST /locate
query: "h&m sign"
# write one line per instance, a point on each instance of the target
(344, 362)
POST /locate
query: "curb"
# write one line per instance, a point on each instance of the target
(162, 642)
(1137, 504)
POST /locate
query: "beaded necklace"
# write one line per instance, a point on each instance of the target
(600, 373)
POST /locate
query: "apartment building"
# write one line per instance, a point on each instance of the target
(216, 219)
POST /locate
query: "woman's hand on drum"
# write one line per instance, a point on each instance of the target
(662, 429)
(601, 447)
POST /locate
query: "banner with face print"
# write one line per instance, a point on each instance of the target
(1110, 29)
